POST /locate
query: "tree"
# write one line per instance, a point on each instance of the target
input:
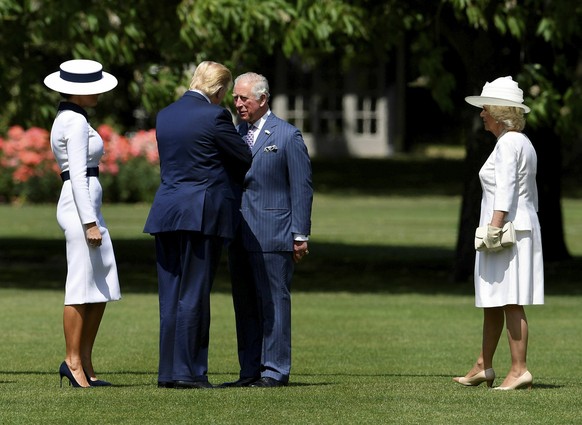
(454, 46)
(129, 38)
(542, 35)
(451, 47)
(153, 46)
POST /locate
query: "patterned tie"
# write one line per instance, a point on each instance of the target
(249, 137)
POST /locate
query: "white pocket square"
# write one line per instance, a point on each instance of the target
(271, 148)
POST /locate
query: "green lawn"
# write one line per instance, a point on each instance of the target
(378, 328)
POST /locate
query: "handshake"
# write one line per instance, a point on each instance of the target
(492, 239)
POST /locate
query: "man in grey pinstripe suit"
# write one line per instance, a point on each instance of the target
(272, 236)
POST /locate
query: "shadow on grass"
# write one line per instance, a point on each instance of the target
(41, 264)
(408, 176)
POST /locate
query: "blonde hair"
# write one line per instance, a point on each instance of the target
(210, 77)
(512, 117)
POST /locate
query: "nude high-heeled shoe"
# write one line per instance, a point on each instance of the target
(487, 375)
(524, 381)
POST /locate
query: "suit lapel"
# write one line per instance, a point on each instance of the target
(265, 134)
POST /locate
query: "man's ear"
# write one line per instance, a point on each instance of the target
(263, 100)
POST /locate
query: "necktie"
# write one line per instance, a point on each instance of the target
(249, 137)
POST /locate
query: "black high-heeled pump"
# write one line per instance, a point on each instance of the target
(64, 371)
(97, 382)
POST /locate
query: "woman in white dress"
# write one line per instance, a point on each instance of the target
(91, 269)
(509, 279)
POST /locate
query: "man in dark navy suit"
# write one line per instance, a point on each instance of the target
(202, 160)
(275, 223)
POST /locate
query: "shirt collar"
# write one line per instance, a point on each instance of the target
(261, 121)
(70, 106)
(199, 92)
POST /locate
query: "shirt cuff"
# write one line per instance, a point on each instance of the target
(299, 237)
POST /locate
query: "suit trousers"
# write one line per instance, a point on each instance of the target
(186, 264)
(261, 289)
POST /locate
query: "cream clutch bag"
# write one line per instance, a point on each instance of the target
(492, 239)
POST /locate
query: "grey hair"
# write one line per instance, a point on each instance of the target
(512, 117)
(260, 85)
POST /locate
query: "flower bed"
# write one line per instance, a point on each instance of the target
(29, 173)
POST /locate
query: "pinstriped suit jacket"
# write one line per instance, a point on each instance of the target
(277, 191)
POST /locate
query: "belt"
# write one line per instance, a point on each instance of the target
(91, 172)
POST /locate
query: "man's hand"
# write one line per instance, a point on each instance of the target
(299, 250)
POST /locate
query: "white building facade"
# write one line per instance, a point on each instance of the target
(339, 114)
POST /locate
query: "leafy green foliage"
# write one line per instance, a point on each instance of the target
(137, 181)
(226, 28)
(452, 46)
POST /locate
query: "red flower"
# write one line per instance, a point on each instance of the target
(27, 153)
(15, 133)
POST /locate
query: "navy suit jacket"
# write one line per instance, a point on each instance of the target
(277, 190)
(202, 159)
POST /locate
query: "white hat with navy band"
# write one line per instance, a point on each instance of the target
(500, 92)
(81, 77)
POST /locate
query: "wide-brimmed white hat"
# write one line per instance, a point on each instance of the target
(500, 92)
(81, 76)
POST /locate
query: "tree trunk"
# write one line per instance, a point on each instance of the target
(479, 147)
(549, 178)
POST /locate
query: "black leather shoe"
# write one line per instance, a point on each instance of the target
(242, 382)
(187, 385)
(268, 383)
(166, 384)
